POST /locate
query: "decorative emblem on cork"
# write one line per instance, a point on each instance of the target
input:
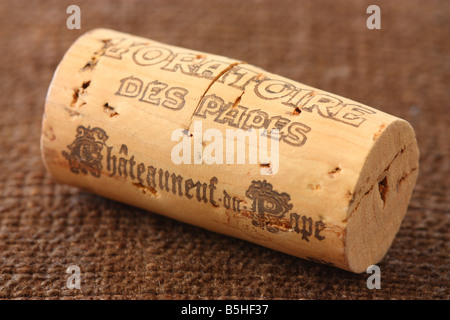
(267, 201)
(85, 151)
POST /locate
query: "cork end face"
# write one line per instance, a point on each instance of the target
(382, 196)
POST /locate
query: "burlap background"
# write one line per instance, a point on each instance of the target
(124, 252)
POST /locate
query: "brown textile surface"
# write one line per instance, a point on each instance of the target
(124, 252)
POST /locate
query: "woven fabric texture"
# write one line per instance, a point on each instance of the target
(127, 253)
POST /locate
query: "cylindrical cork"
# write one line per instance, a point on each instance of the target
(158, 127)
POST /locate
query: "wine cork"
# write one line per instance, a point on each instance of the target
(317, 176)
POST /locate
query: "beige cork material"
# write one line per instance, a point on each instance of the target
(337, 194)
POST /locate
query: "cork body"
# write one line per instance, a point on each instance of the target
(152, 125)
